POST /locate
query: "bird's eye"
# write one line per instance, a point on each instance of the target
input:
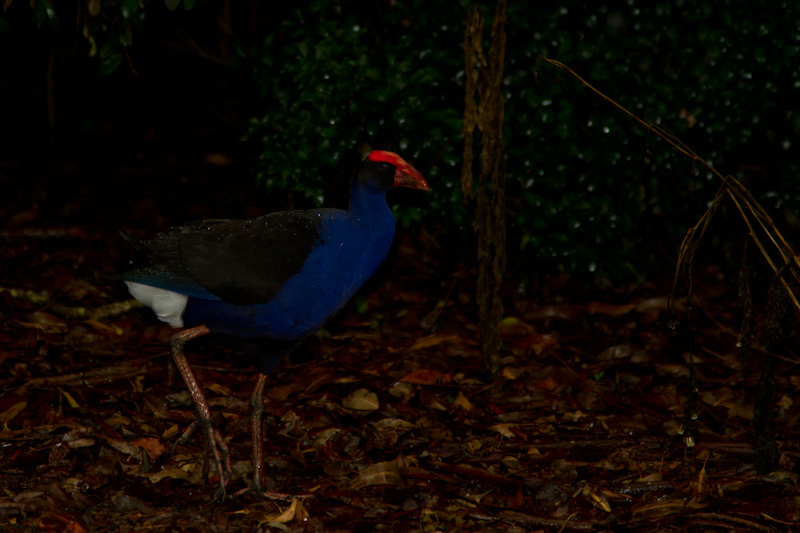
(386, 167)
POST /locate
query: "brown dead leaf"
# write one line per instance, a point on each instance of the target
(70, 400)
(81, 443)
(74, 527)
(390, 429)
(124, 447)
(362, 400)
(219, 389)
(101, 326)
(549, 383)
(725, 397)
(620, 351)
(537, 342)
(700, 485)
(402, 390)
(152, 446)
(9, 414)
(295, 511)
(434, 340)
(602, 308)
(394, 424)
(191, 472)
(171, 432)
(43, 321)
(325, 436)
(666, 507)
(462, 402)
(428, 377)
(595, 497)
(509, 372)
(385, 473)
(504, 430)
(78, 438)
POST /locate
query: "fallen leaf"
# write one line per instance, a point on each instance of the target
(428, 377)
(536, 342)
(402, 390)
(666, 507)
(362, 400)
(74, 527)
(602, 308)
(70, 400)
(219, 389)
(396, 424)
(295, 511)
(124, 447)
(185, 473)
(43, 321)
(81, 443)
(101, 326)
(385, 473)
(596, 498)
(152, 446)
(10, 413)
(620, 351)
(462, 402)
(433, 340)
(324, 437)
(504, 429)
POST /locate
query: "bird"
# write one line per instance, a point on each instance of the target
(268, 282)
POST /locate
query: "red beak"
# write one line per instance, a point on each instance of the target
(405, 175)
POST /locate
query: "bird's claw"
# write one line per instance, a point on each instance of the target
(214, 448)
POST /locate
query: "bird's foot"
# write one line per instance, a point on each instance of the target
(216, 452)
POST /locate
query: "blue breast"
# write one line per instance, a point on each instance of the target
(353, 245)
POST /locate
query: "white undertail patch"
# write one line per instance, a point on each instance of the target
(167, 305)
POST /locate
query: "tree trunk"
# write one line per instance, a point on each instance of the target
(484, 111)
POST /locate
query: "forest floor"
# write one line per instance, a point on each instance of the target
(386, 421)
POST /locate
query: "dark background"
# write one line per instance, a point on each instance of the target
(159, 138)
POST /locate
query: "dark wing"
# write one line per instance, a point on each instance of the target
(237, 261)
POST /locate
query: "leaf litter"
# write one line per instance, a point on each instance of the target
(388, 423)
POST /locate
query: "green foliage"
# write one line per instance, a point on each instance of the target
(597, 191)
(108, 25)
(589, 190)
(336, 78)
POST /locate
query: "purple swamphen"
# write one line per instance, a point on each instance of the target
(270, 281)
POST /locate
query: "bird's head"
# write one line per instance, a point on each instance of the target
(387, 170)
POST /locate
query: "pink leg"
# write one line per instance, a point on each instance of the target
(215, 445)
(257, 432)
